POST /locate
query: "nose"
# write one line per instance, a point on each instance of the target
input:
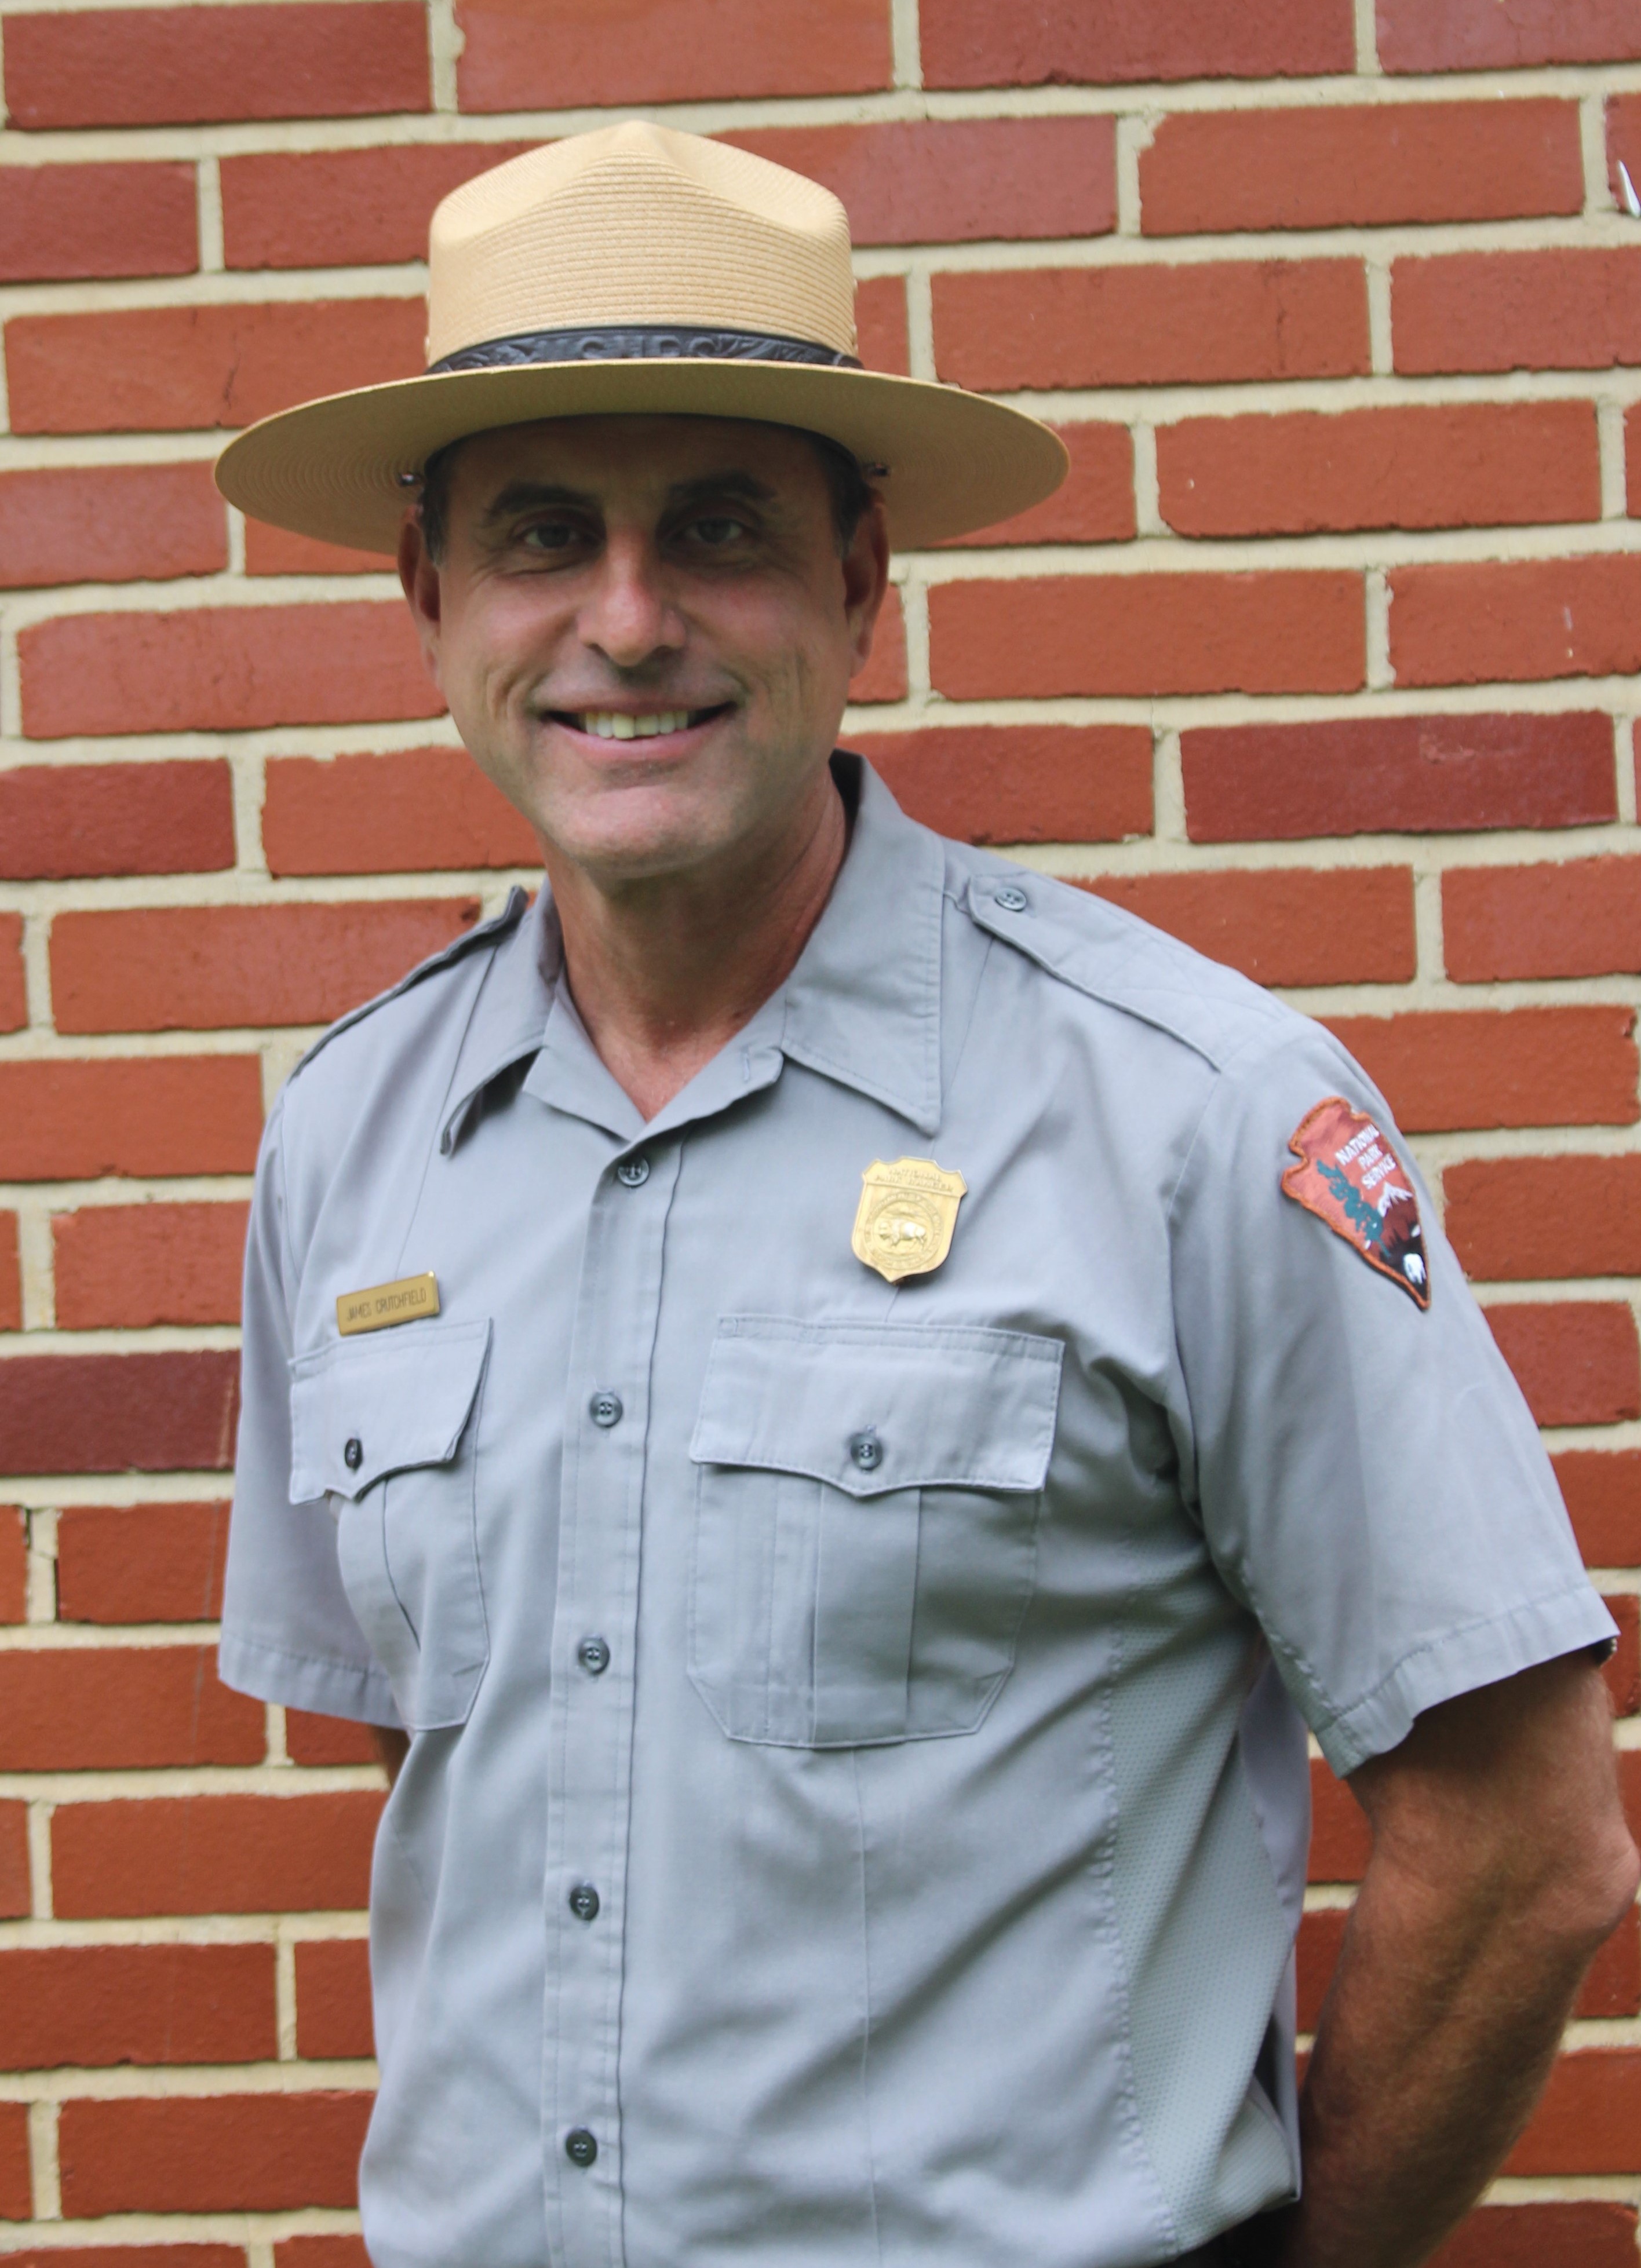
(626, 615)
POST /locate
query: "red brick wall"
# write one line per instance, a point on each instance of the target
(1325, 658)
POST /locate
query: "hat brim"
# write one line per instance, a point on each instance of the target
(337, 469)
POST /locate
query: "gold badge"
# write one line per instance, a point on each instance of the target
(906, 1215)
(385, 1304)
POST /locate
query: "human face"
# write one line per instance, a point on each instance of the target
(646, 634)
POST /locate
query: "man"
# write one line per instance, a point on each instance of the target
(844, 1405)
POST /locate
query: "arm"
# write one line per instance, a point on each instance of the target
(1500, 1863)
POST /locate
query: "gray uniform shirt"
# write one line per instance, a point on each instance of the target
(883, 1855)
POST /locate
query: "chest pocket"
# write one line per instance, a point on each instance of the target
(867, 1505)
(387, 1431)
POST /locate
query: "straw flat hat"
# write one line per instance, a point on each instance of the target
(638, 269)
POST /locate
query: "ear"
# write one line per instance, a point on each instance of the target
(418, 578)
(865, 581)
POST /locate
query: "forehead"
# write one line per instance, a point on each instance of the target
(600, 455)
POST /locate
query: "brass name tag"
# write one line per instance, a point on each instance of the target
(388, 1303)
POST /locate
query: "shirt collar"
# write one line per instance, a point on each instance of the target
(861, 1006)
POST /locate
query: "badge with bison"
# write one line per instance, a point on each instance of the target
(1350, 1177)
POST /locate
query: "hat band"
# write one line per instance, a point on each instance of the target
(612, 343)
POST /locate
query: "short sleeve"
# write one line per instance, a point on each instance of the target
(288, 1633)
(1369, 1479)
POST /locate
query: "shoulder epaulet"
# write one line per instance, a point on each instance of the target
(1112, 955)
(458, 949)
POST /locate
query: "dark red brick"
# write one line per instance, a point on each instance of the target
(109, 524)
(1438, 35)
(1623, 1668)
(1094, 504)
(344, 208)
(1060, 42)
(278, 551)
(10, 1276)
(180, 66)
(341, 2252)
(1398, 775)
(1575, 307)
(121, 1708)
(149, 1115)
(332, 1999)
(884, 675)
(1283, 926)
(224, 2154)
(95, 2005)
(1576, 917)
(141, 1563)
(1448, 1068)
(880, 322)
(15, 1898)
(1340, 1839)
(13, 982)
(1602, 1488)
(1575, 1360)
(13, 1571)
(1372, 165)
(1515, 620)
(1589, 2118)
(555, 55)
(1189, 323)
(205, 1854)
(1020, 783)
(65, 222)
(419, 810)
(311, 1740)
(1513, 1219)
(17, 2187)
(1580, 2235)
(108, 1413)
(131, 1266)
(62, 821)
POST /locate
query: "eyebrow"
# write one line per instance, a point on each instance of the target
(532, 495)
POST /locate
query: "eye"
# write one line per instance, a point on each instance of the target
(717, 529)
(548, 535)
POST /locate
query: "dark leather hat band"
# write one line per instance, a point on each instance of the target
(610, 342)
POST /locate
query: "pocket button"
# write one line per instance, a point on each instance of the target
(353, 1455)
(867, 1451)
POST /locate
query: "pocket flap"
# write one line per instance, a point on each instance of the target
(402, 1401)
(943, 1405)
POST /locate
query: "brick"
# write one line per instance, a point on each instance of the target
(1020, 783)
(95, 2004)
(1512, 1218)
(1446, 1069)
(956, 180)
(1515, 620)
(1480, 464)
(333, 2002)
(1613, 1987)
(555, 55)
(202, 968)
(1632, 457)
(225, 669)
(187, 66)
(13, 985)
(109, 524)
(1623, 1668)
(1570, 309)
(1321, 1933)
(147, 1116)
(1372, 165)
(1588, 2119)
(131, 2256)
(1340, 1839)
(1623, 140)
(1191, 323)
(121, 1708)
(1575, 1360)
(206, 1854)
(141, 1563)
(349, 2252)
(255, 2153)
(880, 323)
(418, 812)
(133, 1265)
(15, 1898)
(311, 1740)
(57, 821)
(1436, 35)
(1281, 632)
(1284, 926)
(109, 1413)
(1061, 42)
(1630, 1788)
(1578, 918)
(884, 675)
(17, 2188)
(11, 1276)
(1094, 504)
(344, 208)
(168, 370)
(64, 222)
(1582, 2236)
(1603, 1490)
(1397, 774)
(276, 551)
(13, 1569)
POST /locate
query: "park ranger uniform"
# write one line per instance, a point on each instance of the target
(858, 1555)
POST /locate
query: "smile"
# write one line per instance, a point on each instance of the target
(621, 724)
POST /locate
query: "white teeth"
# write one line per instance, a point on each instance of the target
(615, 725)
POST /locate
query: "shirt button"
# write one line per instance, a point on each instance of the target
(605, 1410)
(580, 2147)
(866, 1450)
(633, 1173)
(1011, 898)
(353, 1456)
(594, 1656)
(584, 1901)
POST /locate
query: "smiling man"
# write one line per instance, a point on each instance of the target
(842, 1407)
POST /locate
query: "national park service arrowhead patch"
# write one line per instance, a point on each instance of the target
(1349, 1176)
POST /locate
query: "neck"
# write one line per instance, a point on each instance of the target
(666, 971)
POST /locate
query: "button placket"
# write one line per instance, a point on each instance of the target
(590, 1707)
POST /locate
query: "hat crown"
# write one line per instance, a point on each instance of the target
(638, 224)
